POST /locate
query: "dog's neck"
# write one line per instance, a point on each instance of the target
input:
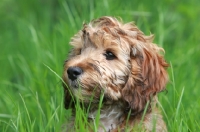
(111, 116)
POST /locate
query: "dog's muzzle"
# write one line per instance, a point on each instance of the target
(74, 73)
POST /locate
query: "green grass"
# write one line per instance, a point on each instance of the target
(34, 35)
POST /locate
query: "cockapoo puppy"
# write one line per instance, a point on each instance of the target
(117, 62)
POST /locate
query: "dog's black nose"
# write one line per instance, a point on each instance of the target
(74, 72)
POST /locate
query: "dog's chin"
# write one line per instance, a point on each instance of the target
(83, 94)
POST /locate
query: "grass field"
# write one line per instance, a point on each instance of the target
(34, 37)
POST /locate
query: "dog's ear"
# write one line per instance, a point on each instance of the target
(148, 74)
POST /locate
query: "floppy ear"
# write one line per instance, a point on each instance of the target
(148, 74)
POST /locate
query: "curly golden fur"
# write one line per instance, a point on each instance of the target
(118, 60)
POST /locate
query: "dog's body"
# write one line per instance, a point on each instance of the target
(120, 62)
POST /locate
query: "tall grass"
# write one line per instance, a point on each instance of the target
(34, 37)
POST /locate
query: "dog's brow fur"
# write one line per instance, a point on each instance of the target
(129, 81)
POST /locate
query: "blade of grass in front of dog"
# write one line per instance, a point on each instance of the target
(126, 127)
(81, 115)
(54, 73)
(91, 99)
(78, 116)
(143, 115)
(97, 118)
(61, 80)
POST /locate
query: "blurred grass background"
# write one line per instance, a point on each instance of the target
(36, 33)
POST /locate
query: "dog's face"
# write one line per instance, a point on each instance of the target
(114, 59)
(101, 63)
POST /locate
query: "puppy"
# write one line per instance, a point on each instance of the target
(118, 63)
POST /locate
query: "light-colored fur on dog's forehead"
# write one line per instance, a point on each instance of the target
(105, 35)
(108, 33)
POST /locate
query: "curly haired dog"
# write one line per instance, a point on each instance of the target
(120, 62)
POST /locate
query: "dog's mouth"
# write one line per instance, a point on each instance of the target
(74, 84)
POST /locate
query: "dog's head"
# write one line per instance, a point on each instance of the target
(115, 59)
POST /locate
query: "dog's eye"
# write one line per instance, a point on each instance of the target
(109, 55)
